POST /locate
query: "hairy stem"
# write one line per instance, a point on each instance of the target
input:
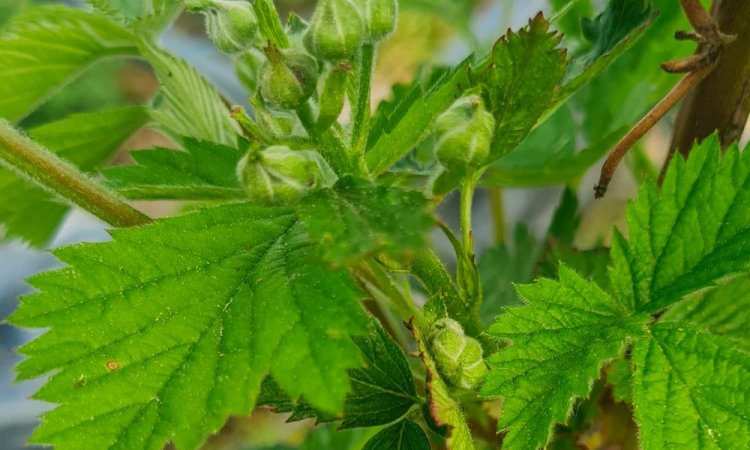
(61, 178)
(361, 119)
(327, 143)
(498, 214)
(467, 203)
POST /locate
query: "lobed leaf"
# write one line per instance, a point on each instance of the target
(355, 218)
(561, 340)
(689, 235)
(202, 171)
(88, 141)
(690, 390)
(162, 334)
(43, 48)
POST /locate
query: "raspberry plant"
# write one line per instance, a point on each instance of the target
(292, 285)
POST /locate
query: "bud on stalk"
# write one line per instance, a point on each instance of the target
(379, 17)
(289, 77)
(336, 30)
(458, 357)
(464, 134)
(333, 95)
(231, 24)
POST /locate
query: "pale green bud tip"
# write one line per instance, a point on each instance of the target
(231, 24)
(336, 30)
(458, 357)
(379, 17)
(279, 174)
(464, 133)
(288, 78)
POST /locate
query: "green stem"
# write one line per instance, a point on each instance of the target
(380, 284)
(467, 202)
(361, 119)
(498, 214)
(61, 178)
(329, 146)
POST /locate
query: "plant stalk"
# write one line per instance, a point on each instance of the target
(361, 119)
(61, 178)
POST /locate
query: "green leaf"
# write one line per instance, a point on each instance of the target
(43, 48)
(691, 390)
(162, 334)
(191, 106)
(413, 118)
(86, 140)
(405, 435)
(203, 171)
(356, 218)
(619, 376)
(444, 409)
(382, 391)
(501, 266)
(120, 9)
(270, 25)
(524, 71)
(724, 310)
(610, 34)
(560, 340)
(693, 232)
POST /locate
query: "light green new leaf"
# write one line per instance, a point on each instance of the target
(190, 105)
(382, 391)
(560, 340)
(86, 140)
(168, 330)
(724, 310)
(43, 48)
(688, 235)
(691, 390)
(405, 435)
(203, 171)
(355, 218)
(522, 77)
(444, 409)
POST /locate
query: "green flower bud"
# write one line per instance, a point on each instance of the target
(336, 30)
(333, 95)
(279, 174)
(231, 24)
(289, 77)
(379, 17)
(458, 357)
(464, 134)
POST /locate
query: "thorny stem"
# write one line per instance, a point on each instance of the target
(61, 178)
(646, 123)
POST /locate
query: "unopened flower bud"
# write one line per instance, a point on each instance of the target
(464, 134)
(333, 95)
(379, 17)
(458, 357)
(279, 174)
(231, 24)
(336, 30)
(289, 77)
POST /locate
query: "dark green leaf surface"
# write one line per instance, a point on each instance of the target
(561, 340)
(86, 140)
(524, 71)
(355, 218)
(405, 435)
(45, 47)
(691, 390)
(203, 171)
(168, 330)
(382, 391)
(693, 232)
(724, 310)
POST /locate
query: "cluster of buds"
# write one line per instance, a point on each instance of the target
(459, 358)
